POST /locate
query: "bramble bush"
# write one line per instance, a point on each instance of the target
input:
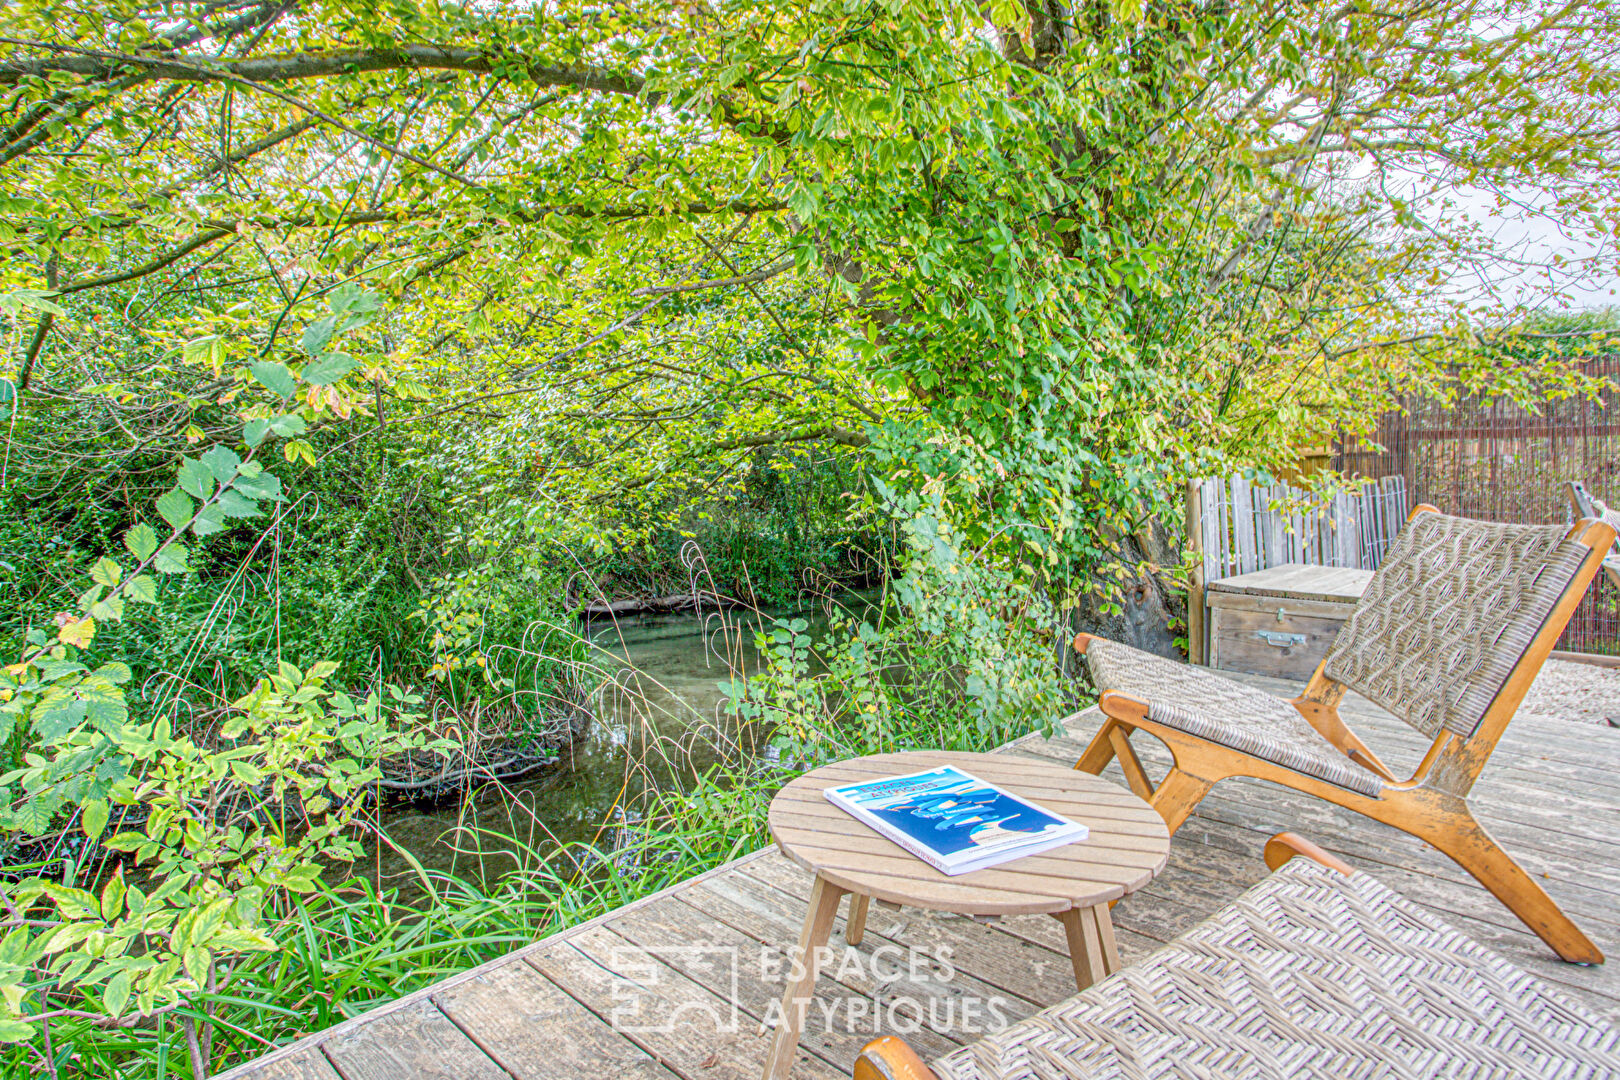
(219, 822)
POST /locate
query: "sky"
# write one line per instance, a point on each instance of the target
(1534, 240)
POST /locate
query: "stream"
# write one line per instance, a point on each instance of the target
(661, 726)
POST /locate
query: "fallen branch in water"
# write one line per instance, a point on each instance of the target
(659, 605)
(482, 772)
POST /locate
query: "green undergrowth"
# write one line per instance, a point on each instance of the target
(931, 665)
(349, 947)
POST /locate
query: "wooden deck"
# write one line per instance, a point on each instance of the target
(670, 966)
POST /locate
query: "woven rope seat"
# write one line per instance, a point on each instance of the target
(1310, 974)
(1201, 703)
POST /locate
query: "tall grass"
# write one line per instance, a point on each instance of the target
(349, 947)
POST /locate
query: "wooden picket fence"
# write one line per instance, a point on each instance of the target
(1238, 527)
(1243, 526)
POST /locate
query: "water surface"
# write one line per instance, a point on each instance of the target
(657, 724)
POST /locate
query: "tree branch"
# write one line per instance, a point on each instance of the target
(47, 319)
(717, 283)
(90, 63)
(173, 255)
(842, 436)
(314, 65)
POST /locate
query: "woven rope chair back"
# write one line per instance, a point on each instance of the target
(1449, 615)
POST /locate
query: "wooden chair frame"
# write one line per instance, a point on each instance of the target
(890, 1058)
(1432, 804)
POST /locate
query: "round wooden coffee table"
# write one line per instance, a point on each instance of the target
(1074, 884)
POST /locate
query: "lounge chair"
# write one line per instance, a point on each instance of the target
(1317, 972)
(1585, 506)
(1449, 635)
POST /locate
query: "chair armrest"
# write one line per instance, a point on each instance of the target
(1284, 846)
(889, 1058)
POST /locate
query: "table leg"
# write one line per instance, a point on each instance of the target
(1092, 949)
(824, 898)
(855, 923)
(1105, 936)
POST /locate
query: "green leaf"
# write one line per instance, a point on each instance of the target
(329, 369)
(106, 708)
(142, 589)
(116, 996)
(246, 773)
(8, 398)
(222, 462)
(16, 1031)
(318, 335)
(55, 670)
(114, 672)
(172, 559)
(58, 712)
(141, 541)
(19, 300)
(210, 520)
(254, 431)
(112, 898)
(106, 572)
(110, 609)
(302, 878)
(290, 424)
(195, 478)
(298, 448)
(351, 298)
(263, 486)
(275, 377)
(176, 508)
(234, 505)
(209, 350)
(34, 816)
(93, 818)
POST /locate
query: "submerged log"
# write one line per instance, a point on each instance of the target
(659, 605)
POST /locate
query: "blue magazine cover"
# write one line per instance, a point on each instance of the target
(954, 820)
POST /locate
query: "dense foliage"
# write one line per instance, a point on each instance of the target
(353, 347)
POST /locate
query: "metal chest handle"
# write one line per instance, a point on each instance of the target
(1279, 639)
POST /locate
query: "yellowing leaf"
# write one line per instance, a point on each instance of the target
(79, 633)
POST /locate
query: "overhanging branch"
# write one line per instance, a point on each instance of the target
(266, 69)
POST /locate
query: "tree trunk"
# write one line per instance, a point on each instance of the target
(1150, 604)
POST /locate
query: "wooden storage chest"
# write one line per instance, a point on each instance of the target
(1280, 621)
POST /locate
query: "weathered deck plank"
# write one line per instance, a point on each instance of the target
(310, 1065)
(667, 930)
(533, 1030)
(680, 1021)
(416, 1042)
(555, 1009)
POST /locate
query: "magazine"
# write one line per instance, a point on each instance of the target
(954, 821)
